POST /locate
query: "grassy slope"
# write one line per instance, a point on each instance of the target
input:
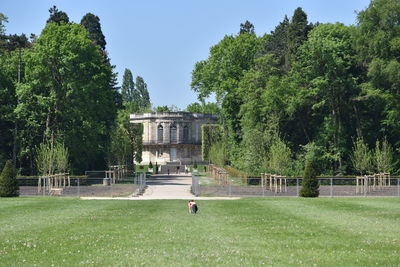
(252, 232)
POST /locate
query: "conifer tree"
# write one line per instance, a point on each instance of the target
(57, 16)
(128, 86)
(8, 181)
(247, 27)
(142, 95)
(92, 24)
(310, 185)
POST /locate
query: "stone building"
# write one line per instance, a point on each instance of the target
(172, 137)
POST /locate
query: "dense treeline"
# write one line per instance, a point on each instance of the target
(308, 93)
(59, 89)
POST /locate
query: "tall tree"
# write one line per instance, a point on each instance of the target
(92, 24)
(142, 97)
(276, 42)
(378, 44)
(326, 72)
(67, 95)
(57, 16)
(221, 74)
(128, 86)
(296, 34)
(247, 27)
(3, 19)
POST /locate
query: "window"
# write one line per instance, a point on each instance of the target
(160, 136)
(172, 134)
(185, 134)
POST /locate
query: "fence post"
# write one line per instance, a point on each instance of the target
(229, 185)
(79, 193)
(398, 187)
(297, 187)
(195, 185)
(111, 188)
(263, 186)
(331, 187)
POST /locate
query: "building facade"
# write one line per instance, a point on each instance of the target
(172, 137)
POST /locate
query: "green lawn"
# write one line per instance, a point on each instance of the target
(248, 232)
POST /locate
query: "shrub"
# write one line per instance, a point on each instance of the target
(217, 154)
(361, 156)
(8, 181)
(310, 185)
(150, 165)
(195, 165)
(210, 134)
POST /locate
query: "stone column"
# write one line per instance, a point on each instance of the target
(167, 129)
(179, 129)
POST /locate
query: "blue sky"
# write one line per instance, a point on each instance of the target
(162, 40)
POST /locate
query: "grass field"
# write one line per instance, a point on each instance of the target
(248, 232)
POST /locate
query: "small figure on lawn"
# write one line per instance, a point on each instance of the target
(192, 207)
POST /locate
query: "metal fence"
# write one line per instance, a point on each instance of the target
(258, 187)
(93, 185)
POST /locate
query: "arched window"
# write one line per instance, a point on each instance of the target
(160, 132)
(172, 134)
(185, 134)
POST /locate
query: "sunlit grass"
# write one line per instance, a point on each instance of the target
(248, 232)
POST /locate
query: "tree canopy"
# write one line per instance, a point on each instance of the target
(306, 89)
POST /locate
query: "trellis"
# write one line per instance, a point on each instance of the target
(368, 183)
(54, 184)
(275, 183)
(116, 173)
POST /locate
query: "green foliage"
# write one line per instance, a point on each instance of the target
(309, 185)
(44, 159)
(221, 73)
(52, 158)
(57, 16)
(150, 165)
(8, 181)
(141, 94)
(317, 156)
(206, 108)
(247, 27)
(120, 148)
(378, 47)
(92, 25)
(217, 154)
(361, 156)
(383, 156)
(3, 19)
(316, 84)
(280, 158)
(67, 93)
(165, 108)
(135, 94)
(162, 109)
(235, 173)
(210, 134)
(128, 86)
(135, 133)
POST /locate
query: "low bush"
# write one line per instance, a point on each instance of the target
(8, 181)
(310, 185)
